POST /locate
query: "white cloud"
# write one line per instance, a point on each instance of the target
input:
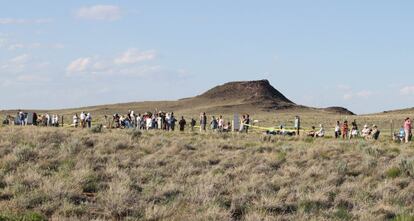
(343, 87)
(21, 59)
(407, 90)
(99, 12)
(348, 96)
(19, 21)
(15, 46)
(3, 42)
(360, 94)
(42, 65)
(128, 64)
(79, 65)
(32, 78)
(58, 46)
(141, 71)
(23, 63)
(132, 56)
(364, 94)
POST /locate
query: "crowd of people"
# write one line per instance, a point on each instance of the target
(83, 120)
(405, 133)
(32, 118)
(167, 121)
(162, 121)
(346, 131)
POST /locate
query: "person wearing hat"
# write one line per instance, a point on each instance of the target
(366, 131)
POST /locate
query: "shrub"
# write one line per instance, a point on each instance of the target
(407, 166)
(90, 184)
(25, 153)
(342, 214)
(393, 172)
(135, 135)
(97, 129)
(121, 145)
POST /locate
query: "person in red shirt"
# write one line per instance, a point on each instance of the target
(345, 130)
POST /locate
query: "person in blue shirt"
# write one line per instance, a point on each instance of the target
(401, 134)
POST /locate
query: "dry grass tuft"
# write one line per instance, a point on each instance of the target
(69, 174)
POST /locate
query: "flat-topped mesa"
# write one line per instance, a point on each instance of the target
(254, 91)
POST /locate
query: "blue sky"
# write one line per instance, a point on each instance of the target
(56, 54)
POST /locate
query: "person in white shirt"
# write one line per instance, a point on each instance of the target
(321, 131)
(149, 123)
(53, 120)
(88, 120)
(132, 117)
(221, 123)
(159, 121)
(82, 119)
(366, 131)
(139, 121)
(337, 130)
(48, 120)
(75, 120)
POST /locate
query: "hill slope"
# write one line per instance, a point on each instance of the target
(242, 96)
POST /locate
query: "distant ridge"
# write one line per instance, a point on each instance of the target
(239, 96)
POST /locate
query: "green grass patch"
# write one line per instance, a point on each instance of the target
(29, 216)
(342, 214)
(404, 217)
(393, 172)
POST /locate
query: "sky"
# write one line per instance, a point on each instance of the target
(320, 53)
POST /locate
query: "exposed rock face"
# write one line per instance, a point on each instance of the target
(254, 91)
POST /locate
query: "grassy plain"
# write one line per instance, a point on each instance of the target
(75, 174)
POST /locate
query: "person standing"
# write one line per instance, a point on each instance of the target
(345, 130)
(56, 120)
(193, 124)
(337, 130)
(82, 119)
(247, 123)
(354, 130)
(213, 123)
(407, 129)
(297, 125)
(47, 119)
(21, 118)
(88, 120)
(203, 121)
(138, 120)
(53, 120)
(172, 122)
(167, 121)
(133, 119)
(75, 120)
(159, 121)
(220, 123)
(35, 119)
(182, 123)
